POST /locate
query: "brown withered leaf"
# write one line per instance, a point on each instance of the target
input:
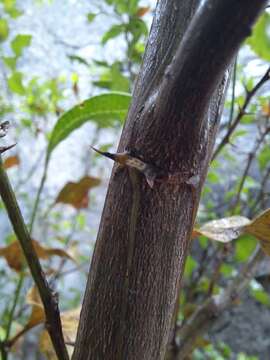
(260, 228)
(37, 314)
(266, 109)
(223, 230)
(70, 321)
(76, 194)
(142, 11)
(227, 229)
(15, 258)
(11, 161)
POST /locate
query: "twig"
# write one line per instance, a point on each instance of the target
(251, 156)
(213, 307)
(37, 200)
(15, 301)
(260, 195)
(49, 300)
(241, 113)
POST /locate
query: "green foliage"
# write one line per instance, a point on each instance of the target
(114, 31)
(189, 266)
(261, 296)
(244, 248)
(260, 39)
(15, 83)
(104, 110)
(91, 17)
(4, 30)
(19, 43)
(10, 8)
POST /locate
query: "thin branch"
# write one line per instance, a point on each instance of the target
(260, 195)
(251, 156)
(49, 300)
(13, 307)
(213, 307)
(241, 113)
(37, 200)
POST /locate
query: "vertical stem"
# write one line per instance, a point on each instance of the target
(13, 307)
(37, 200)
(49, 300)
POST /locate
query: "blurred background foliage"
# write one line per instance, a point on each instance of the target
(71, 65)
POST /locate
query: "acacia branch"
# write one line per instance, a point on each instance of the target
(204, 317)
(48, 298)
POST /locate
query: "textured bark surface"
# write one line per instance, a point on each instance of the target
(144, 233)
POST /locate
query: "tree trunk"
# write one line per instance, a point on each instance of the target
(144, 233)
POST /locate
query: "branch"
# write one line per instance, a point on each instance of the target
(140, 252)
(213, 307)
(241, 113)
(49, 300)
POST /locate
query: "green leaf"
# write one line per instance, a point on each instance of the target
(119, 81)
(19, 43)
(260, 39)
(189, 266)
(4, 30)
(261, 296)
(79, 59)
(113, 32)
(10, 8)
(15, 83)
(10, 62)
(213, 177)
(226, 269)
(264, 157)
(91, 17)
(245, 246)
(103, 109)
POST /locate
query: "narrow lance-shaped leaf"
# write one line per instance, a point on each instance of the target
(105, 110)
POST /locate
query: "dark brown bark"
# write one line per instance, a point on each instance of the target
(144, 233)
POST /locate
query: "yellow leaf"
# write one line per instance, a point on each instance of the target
(142, 11)
(223, 230)
(76, 194)
(11, 161)
(37, 314)
(266, 109)
(260, 228)
(15, 258)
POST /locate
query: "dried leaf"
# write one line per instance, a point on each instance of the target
(37, 314)
(260, 228)
(266, 109)
(70, 321)
(11, 161)
(76, 194)
(223, 230)
(15, 258)
(142, 11)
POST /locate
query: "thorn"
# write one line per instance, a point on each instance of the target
(5, 148)
(150, 182)
(106, 154)
(193, 180)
